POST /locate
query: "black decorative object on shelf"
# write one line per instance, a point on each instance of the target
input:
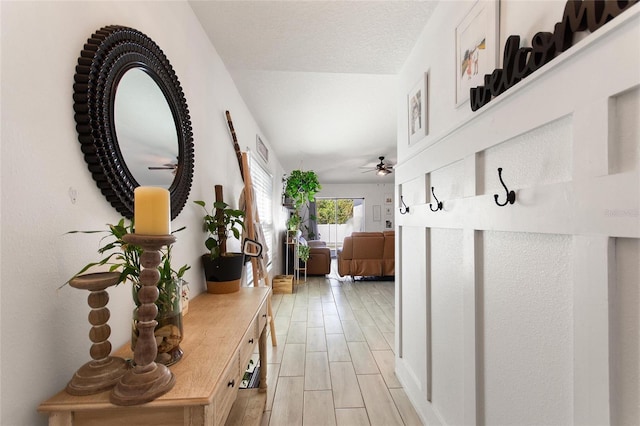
(511, 195)
(438, 203)
(403, 209)
(520, 62)
(109, 54)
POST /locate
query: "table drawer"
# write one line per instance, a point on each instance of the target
(262, 318)
(248, 344)
(227, 391)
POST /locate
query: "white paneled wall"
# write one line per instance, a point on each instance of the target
(526, 328)
(447, 337)
(624, 150)
(415, 307)
(624, 299)
(526, 314)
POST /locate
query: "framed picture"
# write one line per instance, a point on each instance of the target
(476, 47)
(417, 108)
(376, 213)
(388, 199)
(262, 149)
(388, 211)
(388, 224)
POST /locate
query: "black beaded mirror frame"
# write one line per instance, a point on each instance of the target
(107, 55)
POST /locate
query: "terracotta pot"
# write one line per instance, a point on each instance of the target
(223, 287)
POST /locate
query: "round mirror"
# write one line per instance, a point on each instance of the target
(145, 129)
(132, 118)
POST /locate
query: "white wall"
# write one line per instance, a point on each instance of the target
(44, 334)
(524, 314)
(374, 194)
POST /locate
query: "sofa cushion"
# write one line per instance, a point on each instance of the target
(370, 247)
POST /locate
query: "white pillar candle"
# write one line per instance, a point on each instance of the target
(152, 210)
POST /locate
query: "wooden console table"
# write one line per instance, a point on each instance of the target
(221, 332)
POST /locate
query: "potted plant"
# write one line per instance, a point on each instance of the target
(294, 222)
(304, 252)
(223, 270)
(301, 187)
(125, 258)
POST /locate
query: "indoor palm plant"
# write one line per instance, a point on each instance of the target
(125, 259)
(222, 269)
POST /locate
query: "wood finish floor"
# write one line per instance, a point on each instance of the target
(334, 363)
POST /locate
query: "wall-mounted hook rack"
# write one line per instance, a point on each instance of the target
(403, 208)
(511, 195)
(438, 203)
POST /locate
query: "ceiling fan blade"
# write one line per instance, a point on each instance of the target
(164, 167)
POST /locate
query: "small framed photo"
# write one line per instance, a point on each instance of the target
(388, 224)
(388, 199)
(388, 211)
(417, 108)
(476, 47)
(262, 149)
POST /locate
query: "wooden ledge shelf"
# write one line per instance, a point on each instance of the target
(221, 332)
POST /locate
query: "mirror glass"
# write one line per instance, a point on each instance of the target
(145, 129)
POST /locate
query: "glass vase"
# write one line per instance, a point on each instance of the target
(169, 330)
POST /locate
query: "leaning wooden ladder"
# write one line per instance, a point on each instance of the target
(258, 264)
(252, 217)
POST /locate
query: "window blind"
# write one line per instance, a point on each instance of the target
(263, 190)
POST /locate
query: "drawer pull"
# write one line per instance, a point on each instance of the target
(251, 340)
(232, 383)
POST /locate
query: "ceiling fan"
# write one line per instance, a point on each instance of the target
(168, 166)
(382, 168)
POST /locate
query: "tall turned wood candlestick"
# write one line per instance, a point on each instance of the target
(104, 371)
(147, 380)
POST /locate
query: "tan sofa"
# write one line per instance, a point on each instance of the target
(368, 254)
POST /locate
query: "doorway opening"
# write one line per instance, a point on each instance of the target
(338, 218)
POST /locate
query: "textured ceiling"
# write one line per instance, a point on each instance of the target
(319, 76)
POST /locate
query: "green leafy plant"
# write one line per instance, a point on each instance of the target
(304, 252)
(218, 222)
(294, 222)
(125, 258)
(301, 188)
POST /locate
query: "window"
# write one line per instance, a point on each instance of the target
(337, 218)
(263, 190)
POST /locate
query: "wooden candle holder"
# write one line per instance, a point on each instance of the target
(148, 379)
(104, 371)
